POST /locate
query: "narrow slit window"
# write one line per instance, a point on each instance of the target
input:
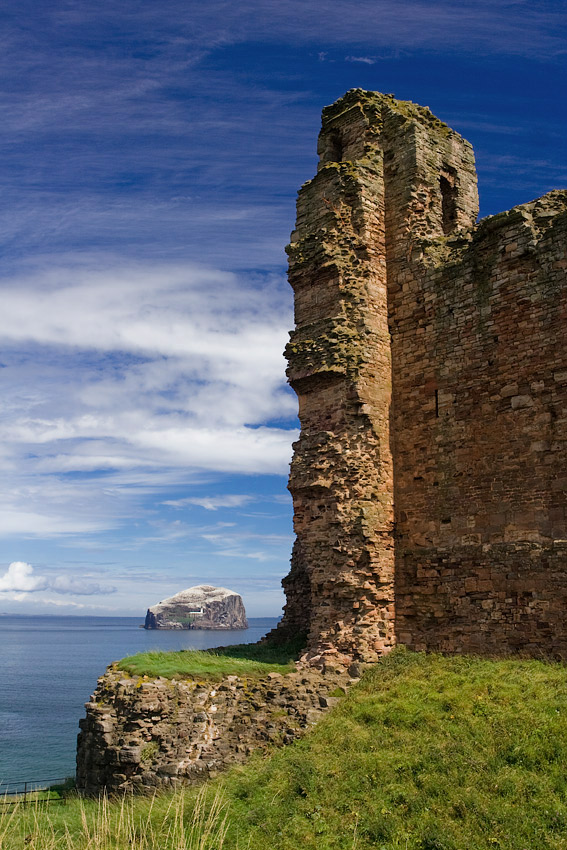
(335, 147)
(449, 193)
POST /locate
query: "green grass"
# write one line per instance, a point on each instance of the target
(425, 753)
(245, 659)
(176, 821)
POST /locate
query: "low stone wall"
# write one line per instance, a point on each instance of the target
(141, 733)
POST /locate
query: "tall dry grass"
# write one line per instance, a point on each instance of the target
(178, 822)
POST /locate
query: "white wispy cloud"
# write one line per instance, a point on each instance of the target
(45, 522)
(20, 579)
(78, 586)
(188, 31)
(211, 503)
(365, 60)
(135, 371)
(249, 545)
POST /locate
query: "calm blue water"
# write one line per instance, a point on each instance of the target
(50, 667)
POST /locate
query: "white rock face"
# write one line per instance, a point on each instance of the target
(200, 607)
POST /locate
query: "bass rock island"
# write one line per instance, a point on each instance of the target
(201, 607)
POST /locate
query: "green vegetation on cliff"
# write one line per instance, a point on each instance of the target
(243, 659)
(425, 753)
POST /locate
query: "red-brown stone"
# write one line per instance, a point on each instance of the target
(430, 364)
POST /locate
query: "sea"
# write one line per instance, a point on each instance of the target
(49, 669)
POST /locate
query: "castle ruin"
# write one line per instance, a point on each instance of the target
(429, 481)
(430, 477)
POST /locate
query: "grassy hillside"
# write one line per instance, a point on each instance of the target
(425, 753)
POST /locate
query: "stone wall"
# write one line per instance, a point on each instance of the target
(480, 417)
(142, 733)
(342, 582)
(430, 364)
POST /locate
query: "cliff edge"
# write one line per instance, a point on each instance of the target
(201, 607)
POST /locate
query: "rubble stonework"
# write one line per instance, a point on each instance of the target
(429, 481)
(141, 733)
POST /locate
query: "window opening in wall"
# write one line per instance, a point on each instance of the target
(335, 150)
(449, 192)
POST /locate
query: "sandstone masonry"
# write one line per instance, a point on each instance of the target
(142, 733)
(429, 359)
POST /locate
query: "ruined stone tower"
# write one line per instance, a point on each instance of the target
(429, 359)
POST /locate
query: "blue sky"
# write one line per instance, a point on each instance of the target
(151, 155)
